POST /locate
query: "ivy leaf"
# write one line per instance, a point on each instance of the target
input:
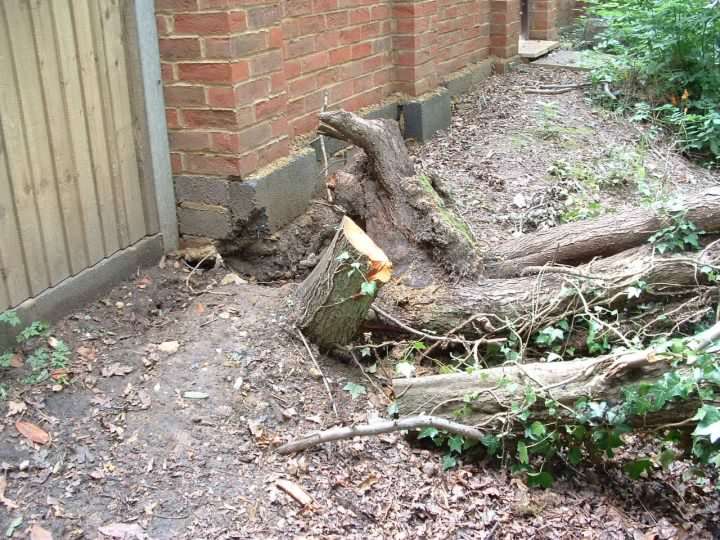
(492, 443)
(448, 462)
(455, 443)
(710, 430)
(666, 458)
(536, 430)
(575, 456)
(523, 453)
(541, 479)
(344, 256)
(633, 292)
(368, 288)
(428, 433)
(637, 467)
(356, 390)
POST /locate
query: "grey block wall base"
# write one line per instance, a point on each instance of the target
(466, 80)
(426, 116)
(76, 291)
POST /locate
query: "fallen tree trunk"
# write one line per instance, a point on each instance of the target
(489, 395)
(532, 302)
(332, 302)
(575, 243)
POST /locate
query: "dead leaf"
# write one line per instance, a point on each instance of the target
(16, 407)
(295, 491)
(88, 354)
(11, 505)
(97, 474)
(17, 360)
(169, 347)
(124, 531)
(366, 484)
(116, 369)
(32, 432)
(143, 282)
(232, 279)
(38, 533)
(199, 308)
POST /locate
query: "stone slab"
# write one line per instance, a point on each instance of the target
(427, 115)
(570, 60)
(533, 48)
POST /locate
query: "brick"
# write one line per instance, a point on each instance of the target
(275, 40)
(302, 86)
(249, 43)
(172, 119)
(225, 143)
(257, 133)
(324, 5)
(266, 63)
(311, 24)
(221, 97)
(206, 72)
(251, 91)
(167, 72)
(298, 7)
(304, 124)
(338, 19)
(327, 40)
(175, 6)
(179, 49)
(209, 119)
(184, 96)
(274, 150)
(292, 70)
(341, 55)
(211, 164)
(262, 17)
(314, 62)
(189, 140)
(279, 126)
(300, 47)
(361, 51)
(163, 24)
(359, 16)
(176, 162)
(270, 107)
(217, 48)
(278, 82)
(202, 23)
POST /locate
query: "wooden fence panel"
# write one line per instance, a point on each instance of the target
(71, 189)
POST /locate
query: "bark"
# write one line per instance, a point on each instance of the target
(403, 212)
(488, 393)
(330, 305)
(532, 302)
(575, 243)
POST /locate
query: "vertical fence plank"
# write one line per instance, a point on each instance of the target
(21, 34)
(69, 63)
(60, 137)
(98, 11)
(14, 287)
(96, 124)
(18, 161)
(124, 134)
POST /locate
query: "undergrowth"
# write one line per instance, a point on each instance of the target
(664, 67)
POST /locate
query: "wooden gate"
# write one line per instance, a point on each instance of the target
(72, 138)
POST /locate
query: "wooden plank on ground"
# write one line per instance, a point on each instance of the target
(124, 135)
(21, 34)
(18, 159)
(534, 48)
(101, 149)
(78, 133)
(59, 134)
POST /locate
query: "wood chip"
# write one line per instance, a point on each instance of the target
(295, 491)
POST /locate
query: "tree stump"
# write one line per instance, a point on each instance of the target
(332, 302)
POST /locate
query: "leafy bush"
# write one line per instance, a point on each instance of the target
(666, 60)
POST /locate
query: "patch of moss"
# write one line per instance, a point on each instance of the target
(447, 215)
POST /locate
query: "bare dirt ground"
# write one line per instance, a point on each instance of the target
(181, 386)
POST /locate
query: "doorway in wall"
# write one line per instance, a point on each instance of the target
(524, 19)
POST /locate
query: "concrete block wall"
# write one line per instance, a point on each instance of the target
(244, 78)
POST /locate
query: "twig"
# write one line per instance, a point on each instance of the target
(194, 268)
(317, 366)
(412, 330)
(528, 270)
(324, 153)
(377, 428)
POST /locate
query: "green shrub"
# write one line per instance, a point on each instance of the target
(666, 62)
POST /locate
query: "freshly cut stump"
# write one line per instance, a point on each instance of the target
(334, 299)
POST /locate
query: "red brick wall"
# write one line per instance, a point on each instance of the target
(244, 77)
